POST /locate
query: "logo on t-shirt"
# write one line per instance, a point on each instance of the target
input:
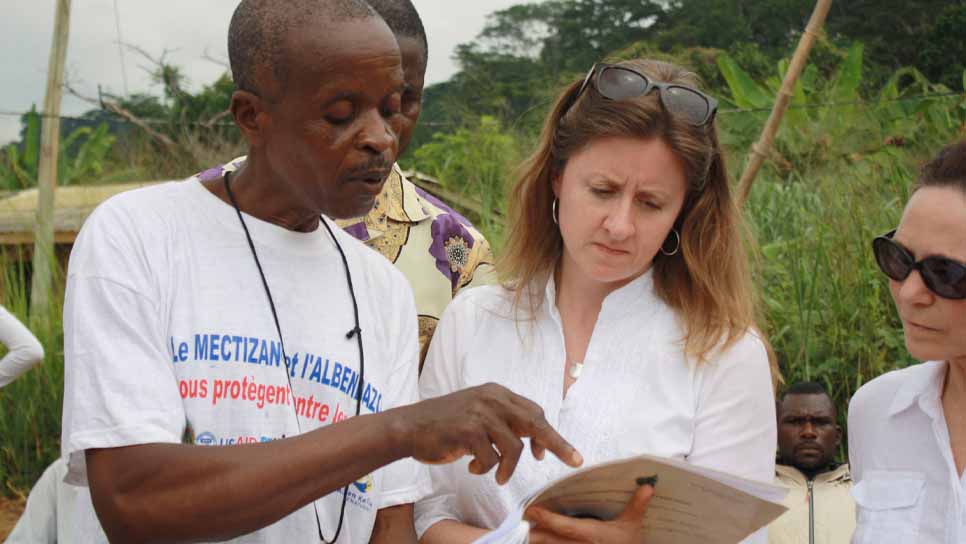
(364, 484)
(360, 492)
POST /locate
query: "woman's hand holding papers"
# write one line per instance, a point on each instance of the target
(486, 422)
(628, 527)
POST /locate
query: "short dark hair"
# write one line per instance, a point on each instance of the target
(946, 169)
(403, 20)
(258, 27)
(806, 388)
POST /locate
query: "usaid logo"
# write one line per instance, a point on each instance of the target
(364, 484)
(206, 439)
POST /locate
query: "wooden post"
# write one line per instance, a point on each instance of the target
(759, 150)
(44, 258)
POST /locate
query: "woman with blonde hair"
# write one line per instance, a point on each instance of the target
(626, 309)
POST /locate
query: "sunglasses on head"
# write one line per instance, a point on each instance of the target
(944, 277)
(619, 82)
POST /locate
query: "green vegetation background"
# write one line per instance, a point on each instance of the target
(883, 91)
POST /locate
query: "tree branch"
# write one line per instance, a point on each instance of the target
(119, 110)
(220, 62)
(215, 119)
(166, 74)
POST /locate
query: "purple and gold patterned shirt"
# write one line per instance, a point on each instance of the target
(437, 249)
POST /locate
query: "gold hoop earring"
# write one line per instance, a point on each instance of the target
(676, 247)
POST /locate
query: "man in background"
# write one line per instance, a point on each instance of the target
(437, 249)
(820, 508)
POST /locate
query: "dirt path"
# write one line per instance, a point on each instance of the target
(10, 510)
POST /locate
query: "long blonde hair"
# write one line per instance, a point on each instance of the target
(708, 282)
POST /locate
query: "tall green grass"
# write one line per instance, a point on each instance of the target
(830, 315)
(840, 173)
(30, 407)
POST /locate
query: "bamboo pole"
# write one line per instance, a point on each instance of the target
(47, 172)
(759, 150)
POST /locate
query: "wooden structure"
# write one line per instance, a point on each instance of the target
(760, 149)
(47, 171)
(72, 205)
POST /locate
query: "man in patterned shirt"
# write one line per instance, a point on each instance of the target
(437, 249)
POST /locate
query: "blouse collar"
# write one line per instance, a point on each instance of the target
(923, 387)
(620, 303)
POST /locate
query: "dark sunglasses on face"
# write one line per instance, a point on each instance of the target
(618, 83)
(944, 277)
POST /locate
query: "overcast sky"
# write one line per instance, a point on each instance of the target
(189, 29)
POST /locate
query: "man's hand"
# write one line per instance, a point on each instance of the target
(486, 422)
(627, 528)
(181, 493)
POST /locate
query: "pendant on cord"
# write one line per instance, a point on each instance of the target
(574, 369)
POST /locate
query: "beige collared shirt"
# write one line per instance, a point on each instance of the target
(834, 508)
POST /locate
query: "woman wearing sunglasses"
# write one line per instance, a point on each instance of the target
(625, 311)
(907, 428)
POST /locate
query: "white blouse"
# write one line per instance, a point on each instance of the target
(637, 394)
(906, 486)
(24, 349)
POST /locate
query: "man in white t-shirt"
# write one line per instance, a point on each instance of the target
(220, 336)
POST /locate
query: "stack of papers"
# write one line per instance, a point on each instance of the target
(690, 504)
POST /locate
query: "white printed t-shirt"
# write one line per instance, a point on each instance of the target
(167, 324)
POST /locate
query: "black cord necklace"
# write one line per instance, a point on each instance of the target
(355, 332)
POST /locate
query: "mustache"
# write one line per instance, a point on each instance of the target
(376, 164)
